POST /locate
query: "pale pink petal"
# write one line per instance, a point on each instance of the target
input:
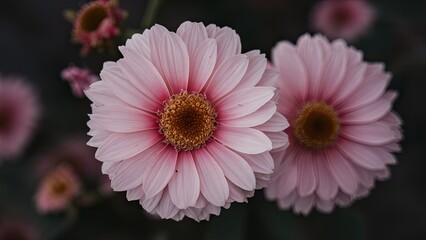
(269, 78)
(202, 65)
(213, 184)
(354, 77)
(120, 146)
(334, 70)
(226, 77)
(100, 94)
(236, 193)
(255, 70)
(165, 208)
(287, 176)
(123, 119)
(377, 133)
(140, 43)
(275, 124)
(307, 182)
(159, 172)
(260, 163)
(135, 193)
(143, 75)
(278, 139)
(325, 206)
(228, 44)
(304, 205)
(311, 54)
(99, 138)
(174, 60)
(150, 203)
(286, 202)
(327, 186)
(184, 187)
(293, 74)
(235, 168)
(256, 118)
(364, 156)
(192, 34)
(128, 174)
(237, 104)
(244, 140)
(342, 171)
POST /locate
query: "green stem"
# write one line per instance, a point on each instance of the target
(150, 13)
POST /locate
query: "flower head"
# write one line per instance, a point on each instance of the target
(97, 23)
(19, 112)
(346, 19)
(57, 189)
(184, 122)
(342, 128)
(79, 78)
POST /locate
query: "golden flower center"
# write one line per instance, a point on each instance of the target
(316, 125)
(187, 121)
(59, 187)
(92, 16)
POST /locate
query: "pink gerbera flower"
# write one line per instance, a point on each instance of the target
(346, 19)
(57, 189)
(342, 128)
(97, 23)
(184, 122)
(79, 79)
(19, 112)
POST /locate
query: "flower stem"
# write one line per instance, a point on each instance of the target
(150, 13)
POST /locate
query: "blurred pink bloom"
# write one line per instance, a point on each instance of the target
(184, 122)
(75, 153)
(17, 229)
(346, 19)
(79, 79)
(57, 190)
(19, 112)
(342, 129)
(97, 23)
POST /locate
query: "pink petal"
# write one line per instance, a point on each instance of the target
(140, 44)
(278, 139)
(184, 187)
(325, 206)
(342, 171)
(244, 140)
(126, 91)
(310, 53)
(293, 74)
(235, 168)
(364, 156)
(143, 75)
(99, 138)
(307, 182)
(228, 44)
(377, 133)
(123, 119)
(370, 90)
(150, 203)
(174, 60)
(155, 36)
(202, 65)
(237, 194)
(260, 163)
(135, 193)
(128, 175)
(213, 184)
(100, 94)
(287, 175)
(275, 124)
(334, 70)
(237, 104)
(255, 70)
(226, 77)
(165, 208)
(120, 146)
(285, 203)
(327, 186)
(269, 78)
(304, 205)
(256, 118)
(354, 76)
(192, 34)
(159, 172)
(370, 113)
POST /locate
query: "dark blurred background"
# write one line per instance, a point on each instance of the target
(35, 43)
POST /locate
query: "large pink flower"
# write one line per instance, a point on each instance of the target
(184, 122)
(342, 128)
(19, 112)
(346, 19)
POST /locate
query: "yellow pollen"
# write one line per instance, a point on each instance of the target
(187, 121)
(92, 16)
(316, 125)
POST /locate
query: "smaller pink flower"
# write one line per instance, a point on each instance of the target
(57, 190)
(17, 229)
(19, 112)
(346, 19)
(79, 78)
(97, 23)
